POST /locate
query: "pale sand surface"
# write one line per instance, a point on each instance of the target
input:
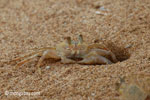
(25, 24)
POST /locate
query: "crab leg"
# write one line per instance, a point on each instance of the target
(42, 49)
(44, 55)
(50, 53)
(25, 56)
(67, 61)
(80, 38)
(94, 58)
(35, 52)
(106, 53)
(26, 60)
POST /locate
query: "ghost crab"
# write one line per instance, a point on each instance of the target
(70, 52)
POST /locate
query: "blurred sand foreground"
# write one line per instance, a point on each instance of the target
(122, 25)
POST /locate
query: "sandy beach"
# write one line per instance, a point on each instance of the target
(123, 26)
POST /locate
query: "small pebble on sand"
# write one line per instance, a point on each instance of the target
(100, 13)
(48, 67)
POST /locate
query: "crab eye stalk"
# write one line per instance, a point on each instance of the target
(122, 79)
(80, 38)
(68, 40)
